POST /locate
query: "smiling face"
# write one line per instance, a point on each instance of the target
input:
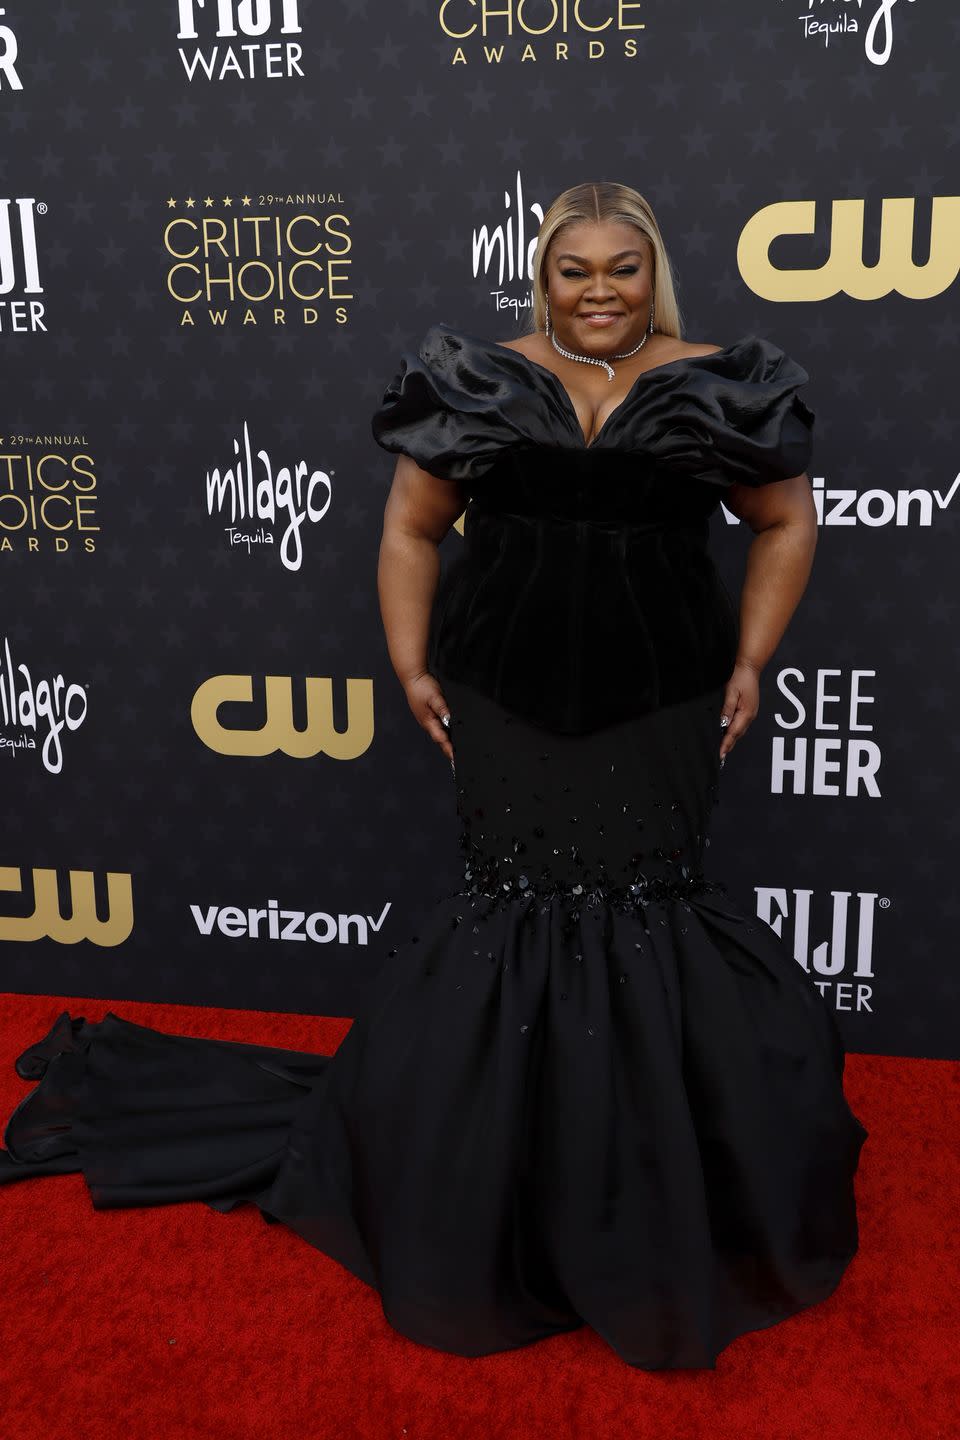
(599, 282)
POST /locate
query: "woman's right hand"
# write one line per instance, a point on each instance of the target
(425, 699)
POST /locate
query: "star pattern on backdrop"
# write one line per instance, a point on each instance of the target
(111, 136)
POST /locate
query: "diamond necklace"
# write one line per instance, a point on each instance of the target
(593, 359)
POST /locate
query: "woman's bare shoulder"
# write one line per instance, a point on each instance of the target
(528, 345)
(672, 348)
(701, 348)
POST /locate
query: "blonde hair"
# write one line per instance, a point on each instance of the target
(593, 204)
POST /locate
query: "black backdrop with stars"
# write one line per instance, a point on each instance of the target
(178, 179)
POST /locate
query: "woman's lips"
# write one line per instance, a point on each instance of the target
(599, 320)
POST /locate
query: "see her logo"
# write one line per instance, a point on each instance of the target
(825, 749)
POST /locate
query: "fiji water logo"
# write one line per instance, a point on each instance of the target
(255, 25)
(502, 251)
(832, 939)
(19, 265)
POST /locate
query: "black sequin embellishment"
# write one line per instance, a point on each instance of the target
(485, 876)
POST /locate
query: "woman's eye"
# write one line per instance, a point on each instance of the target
(620, 270)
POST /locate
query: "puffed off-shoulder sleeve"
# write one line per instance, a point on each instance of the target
(733, 417)
(457, 403)
(730, 416)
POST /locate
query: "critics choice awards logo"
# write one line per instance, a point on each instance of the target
(486, 32)
(259, 259)
(20, 277)
(239, 39)
(48, 495)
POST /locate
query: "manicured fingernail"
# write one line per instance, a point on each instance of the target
(445, 719)
(724, 720)
(723, 761)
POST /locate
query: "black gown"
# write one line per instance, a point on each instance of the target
(591, 1088)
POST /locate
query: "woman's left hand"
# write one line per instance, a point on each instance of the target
(741, 701)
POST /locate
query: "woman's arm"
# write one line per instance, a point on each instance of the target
(783, 518)
(419, 512)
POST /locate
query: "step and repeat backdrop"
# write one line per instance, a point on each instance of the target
(221, 224)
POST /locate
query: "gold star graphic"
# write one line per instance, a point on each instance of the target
(171, 204)
(227, 200)
(208, 202)
(245, 200)
(190, 203)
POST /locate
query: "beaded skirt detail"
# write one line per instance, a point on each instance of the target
(590, 1090)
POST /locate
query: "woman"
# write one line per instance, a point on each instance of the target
(591, 1089)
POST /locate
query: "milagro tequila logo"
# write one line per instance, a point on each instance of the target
(502, 252)
(36, 711)
(832, 938)
(275, 259)
(19, 265)
(251, 490)
(8, 58)
(486, 32)
(248, 39)
(827, 19)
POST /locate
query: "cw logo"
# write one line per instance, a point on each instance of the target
(277, 732)
(844, 271)
(83, 922)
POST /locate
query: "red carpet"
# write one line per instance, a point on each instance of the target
(185, 1324)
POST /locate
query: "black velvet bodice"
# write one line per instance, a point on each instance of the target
(585, 592)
